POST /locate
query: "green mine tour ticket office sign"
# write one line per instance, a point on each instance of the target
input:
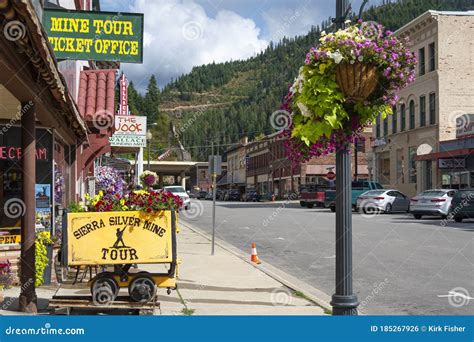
(90, 35)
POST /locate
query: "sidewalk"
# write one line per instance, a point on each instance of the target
(222, 284)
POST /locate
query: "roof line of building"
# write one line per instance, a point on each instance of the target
(41, 55)
(431, 13)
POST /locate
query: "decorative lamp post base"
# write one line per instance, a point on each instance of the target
(344, 305)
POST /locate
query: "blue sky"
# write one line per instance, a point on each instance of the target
(180, 34)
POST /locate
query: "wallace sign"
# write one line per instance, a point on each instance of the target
(90, 35)
(120, 237)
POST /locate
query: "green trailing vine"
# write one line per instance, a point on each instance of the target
(41, 256)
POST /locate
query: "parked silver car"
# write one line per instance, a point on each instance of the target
(386, 200)
(434, 202)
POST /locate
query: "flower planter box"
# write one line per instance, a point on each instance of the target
(120, 238)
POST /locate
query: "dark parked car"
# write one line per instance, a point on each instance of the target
(201, 194)
(233, 195)
(251, 196)
(223, 195)
(462, 205)
(209, 195)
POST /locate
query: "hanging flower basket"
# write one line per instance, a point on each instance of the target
(347, 81)
(357, 81)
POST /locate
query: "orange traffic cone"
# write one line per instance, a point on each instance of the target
(254, 256)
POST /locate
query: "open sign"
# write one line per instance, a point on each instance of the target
(130, 125)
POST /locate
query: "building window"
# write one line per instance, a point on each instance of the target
(421, 61)
(402, 117)
(412, 115)
(383, 168)
(360, 145)
(432, 108)
(422, 111)
(432, 61)
(412, 165)
(394, 120)
(377, 127)
(400, 167)
(385, 126)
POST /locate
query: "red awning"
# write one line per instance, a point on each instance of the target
(446, 154)
(97, 94)
(96, 102)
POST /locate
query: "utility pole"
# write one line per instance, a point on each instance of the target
(343, 301)
(356, 162)
(214, 176)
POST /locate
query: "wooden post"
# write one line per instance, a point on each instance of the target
(27, 299)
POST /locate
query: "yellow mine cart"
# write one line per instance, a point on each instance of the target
(123, 239)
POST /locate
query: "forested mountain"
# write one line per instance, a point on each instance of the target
(223, 102)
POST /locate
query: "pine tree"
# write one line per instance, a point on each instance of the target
(134, 100)
(151, 100)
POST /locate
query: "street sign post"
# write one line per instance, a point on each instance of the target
(215, 168)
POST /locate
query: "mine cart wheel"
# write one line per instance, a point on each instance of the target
(104, 289)
(142, 289)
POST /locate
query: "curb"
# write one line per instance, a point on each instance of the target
(317, 296)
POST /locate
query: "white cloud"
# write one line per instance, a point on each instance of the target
(284, 20)
(179, 35)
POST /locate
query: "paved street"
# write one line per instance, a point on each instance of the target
(401, 265)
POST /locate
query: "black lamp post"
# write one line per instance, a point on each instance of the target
(149, 136)
(343, 301)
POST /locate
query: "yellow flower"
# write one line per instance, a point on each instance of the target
(140, 192)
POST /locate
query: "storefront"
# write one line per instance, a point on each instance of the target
(11, 186)
(454, 162)
(36, 111)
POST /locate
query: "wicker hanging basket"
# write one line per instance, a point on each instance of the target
(357, 81)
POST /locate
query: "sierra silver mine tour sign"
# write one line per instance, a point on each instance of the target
(120, 237)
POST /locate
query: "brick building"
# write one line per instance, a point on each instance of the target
(406, 144)
(269, 171)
